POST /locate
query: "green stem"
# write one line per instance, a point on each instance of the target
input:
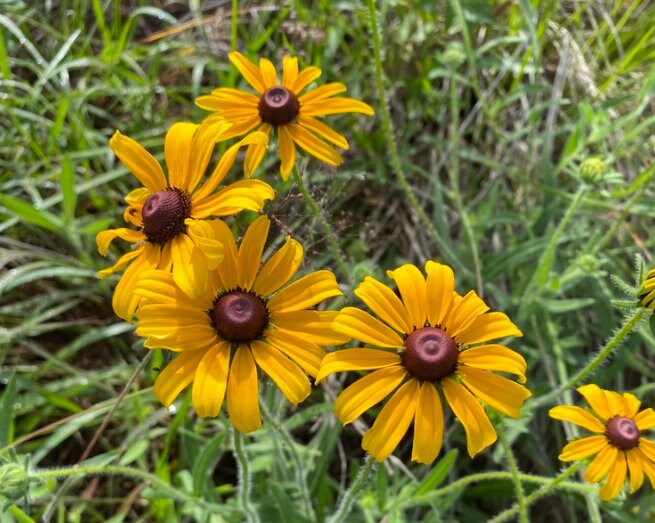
(327, 230)
(118, 470)
(543, 491)
(233, 25)
(244, 477)
(353, 492)
(300, 467)
(628, 326)
(392, 149)
(514, 471)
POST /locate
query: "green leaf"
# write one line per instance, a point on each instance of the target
(69, 196)
(32, 215)
(437, 475)
(7, 411)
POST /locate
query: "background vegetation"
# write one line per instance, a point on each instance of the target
(495, 108)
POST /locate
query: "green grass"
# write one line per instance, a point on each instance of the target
(492, 121)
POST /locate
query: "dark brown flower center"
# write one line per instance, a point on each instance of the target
(164, 214)
(430, 354)
(278, 106)
(239, 316)
(622, 432)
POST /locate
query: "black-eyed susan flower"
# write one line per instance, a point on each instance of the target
(647, 290)
(429, 341)
(170, 214)
(282, 107)
(245, 319)
(618, 445)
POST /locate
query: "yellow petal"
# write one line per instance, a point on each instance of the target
(227, 98)
(291, 380)
(337, 106)
(645, 419)
(583, 448)
(157, 286)
(256, 151)
(357, 359)
(366, 392)
(648, 448)
(479, 430)
(362, 326)
(236, 197)
(314, 326)
(269, 76)
(615, 479)
(578, 416)
(596, 400)
(125, 300)
(304, 78)
(321, 93)
(615, 402)
(497, 392)
(440, 286)
(305, 353)
(210, 382)
(250, 252)
(227, 275)
(120, 263)
(189, 266)
(392, 422)
(314, 145)
(286, 151)
(489, 326)
(305, 292)
(494, 357)
(428, 425)
(635, 468)
(243, 392)
(384, 302)
(139, 161)
(104, 238)
(279, 268)
(202, 148)
(178, 151)
(176, 376)
(202, 234)
(411, 285)
(249, 71)
(601, 464)
(324, 131)
(289, 71)
(630, 405)
(647, 466)
(463, 312)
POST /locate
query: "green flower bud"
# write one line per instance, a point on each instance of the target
(454, 55)
(14, 482)
(592, 170)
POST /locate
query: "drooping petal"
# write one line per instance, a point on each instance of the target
(440, 286)
(645, 419)
(635, 468)
(288, 376)
(125, 300)
(384, 302)
(314, 145)
(210, 382)
(314, 326)
(583, 448)
(139, 161)
(178, 152)
(392, 422)
(243, 392)
(647, 466)
(305, 292)
(428, 425)
(362, 326)
(578, 416)
(250, 252)
(250, 72)
(411, 285)
(279, 268)
(202, 234)
(357, 359)
(500, 393)
(597, 400)
(176, 376)
(104, 238)
(256, 151)
(486, 327)
(366, 392)
(496, 358)
(480, 432)
(324, 131)
(189, 266)
(304, 78)
(289, 71)
(286, 151)
(236, 197)
(321, 93)
(337, 106)
(463, 312)
(305, 353)
(601, 464)
(615, 479)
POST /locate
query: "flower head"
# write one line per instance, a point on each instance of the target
(430, 341)
(283, 107)
(243, 320)
(618, 445)
(647, 290)
(170, 213)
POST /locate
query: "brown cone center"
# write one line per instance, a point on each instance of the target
(239, 316)
(278, 106)
(164, 214)
(430, 354)
(622, 432)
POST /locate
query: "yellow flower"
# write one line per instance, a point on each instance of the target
(281, 106)
(242, 321)
(618, 445)
(647, 290)
(170, 215)
(426, 338)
